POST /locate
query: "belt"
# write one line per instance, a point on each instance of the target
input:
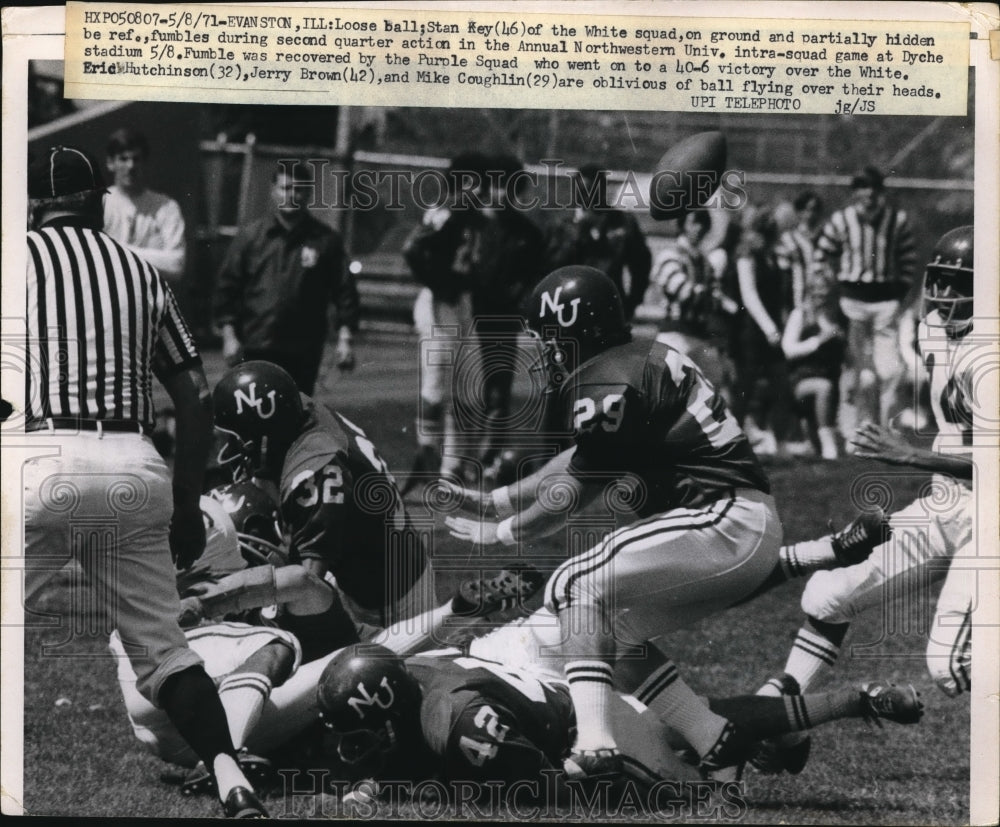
(69, 423)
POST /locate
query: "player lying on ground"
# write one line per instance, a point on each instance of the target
(928, 533)
(234, 579)
(704, 535)
(458, 718)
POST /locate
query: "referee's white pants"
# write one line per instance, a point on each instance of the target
(106, 501)
(672, 569)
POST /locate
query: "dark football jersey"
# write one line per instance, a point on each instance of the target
(341, 505)
(489, 722)
(645, 409)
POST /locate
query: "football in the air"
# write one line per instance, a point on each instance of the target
(687, 175)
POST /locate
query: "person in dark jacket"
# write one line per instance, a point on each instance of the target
(279, 276)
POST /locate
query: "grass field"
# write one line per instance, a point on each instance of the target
(81, 758)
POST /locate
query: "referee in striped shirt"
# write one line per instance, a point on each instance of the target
(101, 322)
(871, 242)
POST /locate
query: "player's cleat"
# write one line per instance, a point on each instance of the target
(258, 771)
(509, 589)
(242, 803)
(593, 765)
(856, 541)
(197, 781)
(888, 702)
(729, 751)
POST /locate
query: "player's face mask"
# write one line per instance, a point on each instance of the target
(948, 291)
(552, 364)
(363, 752)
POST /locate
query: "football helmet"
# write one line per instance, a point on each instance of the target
(949, 281)
(256, 519)
(259, 410)
(369, 704)
(575, 312)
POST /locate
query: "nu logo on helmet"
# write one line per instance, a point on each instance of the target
(552, 304)
(252, 401)
(366, 699)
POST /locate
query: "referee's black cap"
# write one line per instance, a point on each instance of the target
(63, 170)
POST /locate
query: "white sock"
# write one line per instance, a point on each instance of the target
(590, 690)
(827, 442)
(243, 695)
(228, 775)
(811, 655)
(674, 702)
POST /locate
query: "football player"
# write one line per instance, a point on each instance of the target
(930, 531)
(458, 718)
(251, 662)
(339, 504)
(707, 533)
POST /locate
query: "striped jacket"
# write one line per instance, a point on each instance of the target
(100, 322)
(878, 253)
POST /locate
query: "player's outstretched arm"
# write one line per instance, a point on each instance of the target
(261, 586)
(877, 442)
(508, 499)
(556, 496)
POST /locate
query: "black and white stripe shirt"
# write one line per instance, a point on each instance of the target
(100, 321)
(879, 252)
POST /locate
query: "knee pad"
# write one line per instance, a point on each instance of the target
(827, 598)
(866, 379)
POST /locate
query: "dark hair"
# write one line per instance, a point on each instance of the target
(804, 198)
(868, 178)
(701, 216)
(89, 204)
(125, 139)
(297, 171)
(591, 170)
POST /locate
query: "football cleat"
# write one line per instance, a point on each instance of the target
(855, 542)
(888, 702)
(593, 765)
(242, 803)
(729, 751)
(508, 590)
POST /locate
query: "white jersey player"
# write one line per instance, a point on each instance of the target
(929, 532)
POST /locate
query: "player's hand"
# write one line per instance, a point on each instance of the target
(192, 612)
(187, 535)
(477, 532)
(345, 355)
(873, 441)
(470, 500)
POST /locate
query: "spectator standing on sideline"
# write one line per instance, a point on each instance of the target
(761, 369)
(796, 248)
(100, 322)
(868, 248)
(439, 253)
(148, 223)
(681, 275)
(508, 259)
(597, 235)
(278, 278)
(813, 343)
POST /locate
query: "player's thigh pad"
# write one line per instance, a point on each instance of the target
(672, 569)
